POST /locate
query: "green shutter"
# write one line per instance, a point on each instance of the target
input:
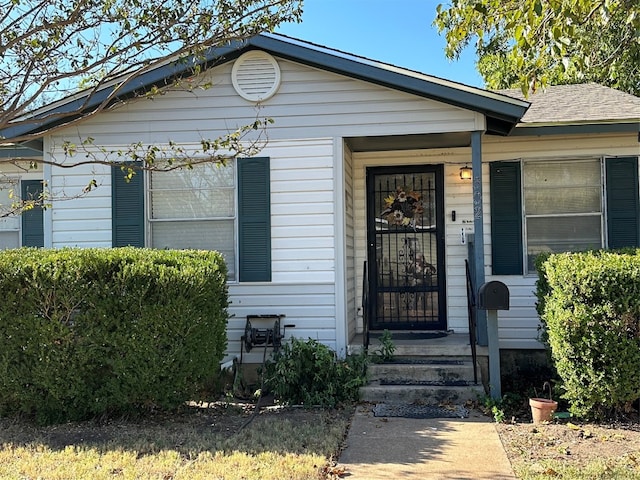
(254, 220)
(32, 225)
(622, 202)
(506, 218)
(127, 209)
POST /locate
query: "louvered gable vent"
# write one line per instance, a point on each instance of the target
(256, 76)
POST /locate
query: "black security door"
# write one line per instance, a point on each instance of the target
(405, 232)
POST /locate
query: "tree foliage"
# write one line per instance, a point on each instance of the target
(50, 49)
(95, 52)
(533, 43)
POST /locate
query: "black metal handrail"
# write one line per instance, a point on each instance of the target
(471, 310)
(365, 307)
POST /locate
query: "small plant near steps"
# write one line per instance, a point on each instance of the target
(387, 348)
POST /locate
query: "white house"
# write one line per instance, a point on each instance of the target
(363, 163)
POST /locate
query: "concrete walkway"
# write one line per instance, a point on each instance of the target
(408, 448)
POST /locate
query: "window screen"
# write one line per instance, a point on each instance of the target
(195, 208)
(563, 206)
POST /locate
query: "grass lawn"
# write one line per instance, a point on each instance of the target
(197, 444)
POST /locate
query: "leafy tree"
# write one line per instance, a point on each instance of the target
(50, 49)
(532, 43)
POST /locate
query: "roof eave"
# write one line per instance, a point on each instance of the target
(156, 76)
(574, 128)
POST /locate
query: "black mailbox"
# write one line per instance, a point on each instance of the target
(493, 296)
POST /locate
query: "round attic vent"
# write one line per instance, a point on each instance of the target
(255, 76)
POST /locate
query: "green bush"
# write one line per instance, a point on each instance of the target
(308, 373)
(591, 313)
(86, 332)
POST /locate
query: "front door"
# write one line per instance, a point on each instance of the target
(405, 234)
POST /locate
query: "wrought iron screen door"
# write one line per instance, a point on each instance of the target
(405, 233)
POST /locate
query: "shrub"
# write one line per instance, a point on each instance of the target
(591, 314)
(308, 373)
(88, 332)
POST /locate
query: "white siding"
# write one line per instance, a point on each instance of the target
(310, 103)
(302, 211)
(302, 231)
(313, 111)
(20, 169)
(518, 327)
(310, 307)
(558, 146)
(81, 220)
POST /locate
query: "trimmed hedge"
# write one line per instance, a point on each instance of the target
(590, 308)
(86, 332)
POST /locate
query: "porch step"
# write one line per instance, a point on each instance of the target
(422, 379)
(425, 371)
(420, 370)
(423, 394)
(453, 345)
(433, 350)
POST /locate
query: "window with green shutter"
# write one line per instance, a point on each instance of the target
(506, 218)
(127, 211)
(562, 201)
(216, 207)
(623, 228)
(254, 220)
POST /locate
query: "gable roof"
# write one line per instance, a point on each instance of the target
(585, 107)
(502, 112)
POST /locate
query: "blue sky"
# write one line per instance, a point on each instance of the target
(393, 31)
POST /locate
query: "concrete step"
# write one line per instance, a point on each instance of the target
(432, 350)
(425, 394)
(433, 371)
(456, 344)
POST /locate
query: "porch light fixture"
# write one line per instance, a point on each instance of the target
(465, 173)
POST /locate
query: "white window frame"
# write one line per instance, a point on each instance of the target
(150, 220)
(525, 217)
(8, 179)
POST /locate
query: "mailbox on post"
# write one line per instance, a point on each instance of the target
(493, 296)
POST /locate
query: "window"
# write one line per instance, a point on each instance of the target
(211, 207)
(26, 229)
(195, 208)
(9, 224)
(563, 207)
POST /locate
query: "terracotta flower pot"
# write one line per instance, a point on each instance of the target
(542, 409)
